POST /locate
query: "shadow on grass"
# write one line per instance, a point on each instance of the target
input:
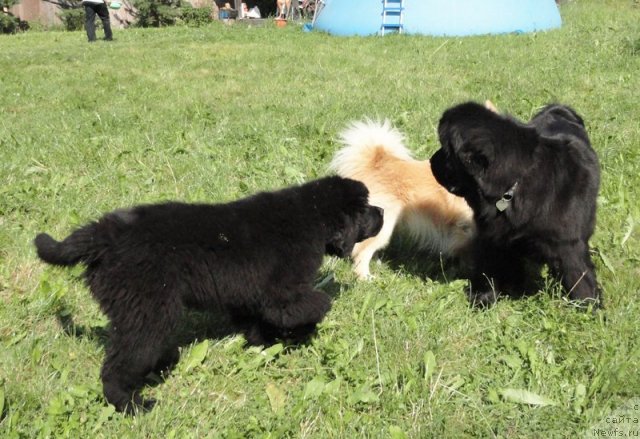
(98, 334)
(423, 264)
(429, 266)
(196, 325)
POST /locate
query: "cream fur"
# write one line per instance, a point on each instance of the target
(434, 219)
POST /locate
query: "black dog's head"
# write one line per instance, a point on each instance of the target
(481, 153)
(354, 220)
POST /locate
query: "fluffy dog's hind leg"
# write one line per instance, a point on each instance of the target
(363, 251)
(122, 377)
(135, 349)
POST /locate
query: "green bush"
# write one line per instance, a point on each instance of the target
(8, 23)
(195, 16)
(72, 19)
(157, 13)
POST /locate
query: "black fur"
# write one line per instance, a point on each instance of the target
(552, 213)
(255, 259)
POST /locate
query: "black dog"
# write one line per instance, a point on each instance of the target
(255, 259)
(532, 188)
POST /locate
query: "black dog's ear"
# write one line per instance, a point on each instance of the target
(475, 158)
(341, 242)
(356, 193)
(473, 149)
(338, 246)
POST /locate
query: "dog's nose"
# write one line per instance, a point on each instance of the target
(379, 209)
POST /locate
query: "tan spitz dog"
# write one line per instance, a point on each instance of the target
(434, 219)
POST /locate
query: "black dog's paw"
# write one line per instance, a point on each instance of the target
(299, 335)
(591, 303)
(148, 405)
(265, 334)
(167, 362)
(584, 293)
(260, 334)
(136, 407)
(255, 340)
(309, 307)
(316, 305)
(484, 299)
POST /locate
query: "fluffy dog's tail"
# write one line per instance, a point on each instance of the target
(365, 143)
(86, 244)
(77, 247)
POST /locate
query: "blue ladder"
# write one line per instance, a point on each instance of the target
(392, 16)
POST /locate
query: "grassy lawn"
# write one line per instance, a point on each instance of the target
(216, 113)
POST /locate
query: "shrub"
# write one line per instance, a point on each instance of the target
(72, 19)
(72, 14)
(9, 23)
(195, 16)
(156, 13)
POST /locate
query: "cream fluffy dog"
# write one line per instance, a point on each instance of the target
(434, 219)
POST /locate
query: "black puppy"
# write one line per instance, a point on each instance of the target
(532, 188)
(255, 259)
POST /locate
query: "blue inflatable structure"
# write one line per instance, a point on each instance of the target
(436, 17)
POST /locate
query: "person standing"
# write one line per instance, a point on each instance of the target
(99, 8)
(284, 8)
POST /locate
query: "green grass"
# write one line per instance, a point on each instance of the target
(216, 113)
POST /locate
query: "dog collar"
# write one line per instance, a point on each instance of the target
(505, 201)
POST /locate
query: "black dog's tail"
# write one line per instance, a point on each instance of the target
(81, 246)
(88, 243)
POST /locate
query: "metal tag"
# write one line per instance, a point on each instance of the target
(502, 204)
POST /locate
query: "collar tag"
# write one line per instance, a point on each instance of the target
(505, 201)
(502, 204)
